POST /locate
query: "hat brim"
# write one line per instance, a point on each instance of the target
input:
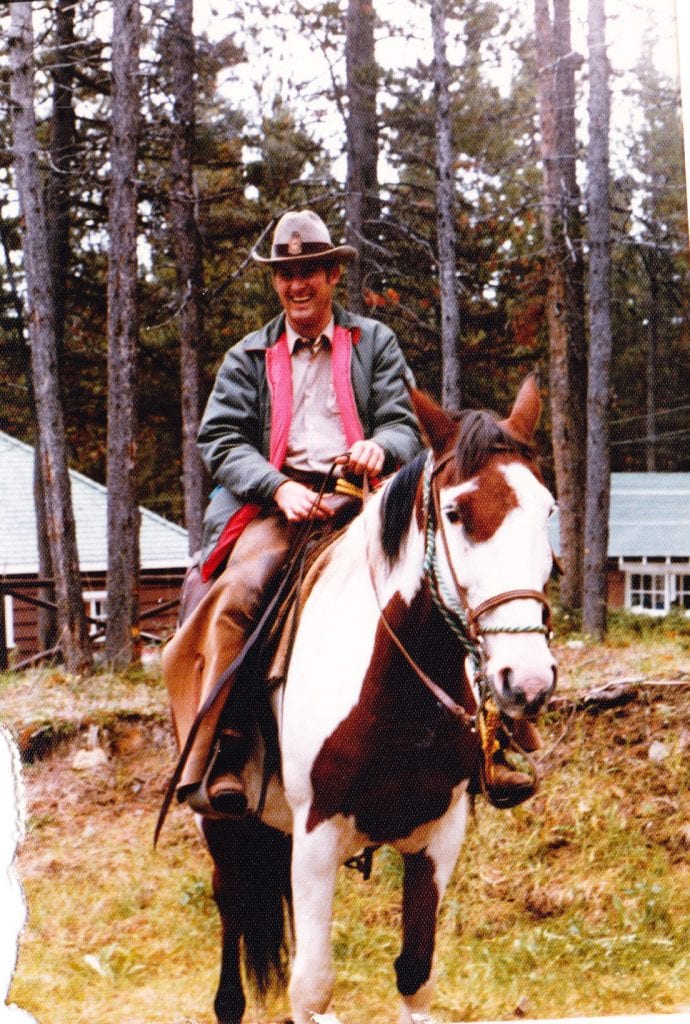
(338, 254)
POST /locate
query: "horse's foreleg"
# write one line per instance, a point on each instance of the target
(427, 873)
(229, 1002)
(315, 861)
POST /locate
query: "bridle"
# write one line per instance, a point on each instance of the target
(461, 618)
(454, 604)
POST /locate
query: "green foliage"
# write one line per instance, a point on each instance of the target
(265, 143)
(627, 627)
(650, 282)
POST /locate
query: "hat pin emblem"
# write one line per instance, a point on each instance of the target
(295, 244)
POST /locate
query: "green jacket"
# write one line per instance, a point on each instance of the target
(244, 429)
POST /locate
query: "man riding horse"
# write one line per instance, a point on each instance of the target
(315, 386)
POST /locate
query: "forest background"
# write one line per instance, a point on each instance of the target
(418, 131)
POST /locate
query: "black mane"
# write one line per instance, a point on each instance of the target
(397, 505)
(480, 437)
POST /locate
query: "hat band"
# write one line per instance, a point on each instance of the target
(306, 249)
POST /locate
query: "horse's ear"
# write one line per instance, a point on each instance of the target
(526, 410)
(438, 428)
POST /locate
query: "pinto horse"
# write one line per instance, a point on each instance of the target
(431, 598)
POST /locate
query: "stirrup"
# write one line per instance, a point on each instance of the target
(199, 798)
(508, 793)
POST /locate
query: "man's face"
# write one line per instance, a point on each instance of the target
(306, 294)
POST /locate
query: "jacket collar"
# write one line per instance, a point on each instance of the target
(273, 331)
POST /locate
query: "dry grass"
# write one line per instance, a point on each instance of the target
(578, 902)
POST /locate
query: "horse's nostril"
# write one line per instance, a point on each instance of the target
(506, 677)
(554, 670)
(535, 706)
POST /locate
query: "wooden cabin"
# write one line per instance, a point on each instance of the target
(649, 542)
(163, 556)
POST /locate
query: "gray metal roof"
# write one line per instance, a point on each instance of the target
(649, 516)
(163, 544)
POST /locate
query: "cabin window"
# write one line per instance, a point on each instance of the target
(9, 622)
(681, 598)
(648, 591)
(96, 607)
(654, 586)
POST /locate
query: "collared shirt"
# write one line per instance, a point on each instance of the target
(316, 432)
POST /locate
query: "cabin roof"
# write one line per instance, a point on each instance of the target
(649, 516)
(163, 544)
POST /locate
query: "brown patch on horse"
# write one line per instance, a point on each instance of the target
(394, 761)
(480, 517)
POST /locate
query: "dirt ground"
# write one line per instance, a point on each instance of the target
(109, 917)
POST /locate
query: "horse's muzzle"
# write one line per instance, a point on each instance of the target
(522, 695)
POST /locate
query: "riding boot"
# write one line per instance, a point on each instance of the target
(221, 794)
(503, 781)
(505, 786)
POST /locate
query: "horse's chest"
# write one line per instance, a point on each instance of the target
(393, 767)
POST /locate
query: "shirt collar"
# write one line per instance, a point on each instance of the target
(293, 336)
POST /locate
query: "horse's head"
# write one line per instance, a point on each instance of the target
(492, 555)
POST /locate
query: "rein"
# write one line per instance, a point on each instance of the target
(221, 687)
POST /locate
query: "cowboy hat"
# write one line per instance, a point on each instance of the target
(302, 235)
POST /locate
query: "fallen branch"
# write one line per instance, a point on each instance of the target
(613, 694)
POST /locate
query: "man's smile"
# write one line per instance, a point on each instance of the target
(306, 294)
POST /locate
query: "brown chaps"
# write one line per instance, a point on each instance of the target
(214, 632)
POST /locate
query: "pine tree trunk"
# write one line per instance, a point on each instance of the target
(189, 260)
(445, 223)
(47, 620)
(51, 447)
(48, 632)
(565, 297)
(57, 194)
(594, 603)
(652, 350)
(362, 200)
(122, 640)
(57, 208)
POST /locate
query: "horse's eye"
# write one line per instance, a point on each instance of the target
(452, 513)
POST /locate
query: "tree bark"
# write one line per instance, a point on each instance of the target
(362, 199)
(57, 208)
(57, 194)
(594, 603)
(122, 632)
(651, 360)
(50, 448)
(48, 632)
(445, 223)
(189, 261)
(565, 297)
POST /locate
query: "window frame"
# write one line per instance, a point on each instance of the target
(90, 598)
(669, 570)
(10, 641)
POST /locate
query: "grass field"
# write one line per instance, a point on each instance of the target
(575, 903)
